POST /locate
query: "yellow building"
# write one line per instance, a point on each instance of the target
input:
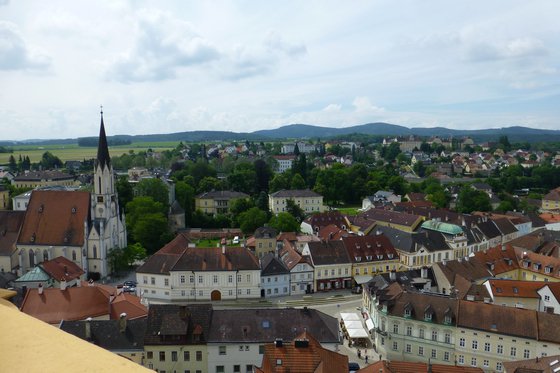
(4, 197)
(551, 201)
(34, 179)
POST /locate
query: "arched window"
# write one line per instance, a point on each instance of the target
(94, 251)
(99, 184)
(45, 255)
(31, 258)
(74, 257)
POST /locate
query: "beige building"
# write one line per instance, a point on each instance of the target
(551, 201)
(306, 199)
(176, 338)
(331, 263)
(217, 202)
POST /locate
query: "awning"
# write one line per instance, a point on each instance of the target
(350, 317)
(362, 279)
(353, 324)
(357, 333)
(369, 324)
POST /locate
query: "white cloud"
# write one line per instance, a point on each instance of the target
(362, 104)
(275, 42)
(163, 44)
(15, 54)
(332, 108)
(509, 49)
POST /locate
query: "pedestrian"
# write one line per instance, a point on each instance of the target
(359, 354)
(366, 359)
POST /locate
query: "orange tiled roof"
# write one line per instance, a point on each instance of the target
(393, 366)
(550, 218)
(55, 218)
(515, 289)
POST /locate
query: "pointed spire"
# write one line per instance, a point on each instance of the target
(103, 158)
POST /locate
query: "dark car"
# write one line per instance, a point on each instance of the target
(353, 367)
(129, 286)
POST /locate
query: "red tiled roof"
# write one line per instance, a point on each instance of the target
(393, 366)
(310, 358)
(79, 303)
(61, 268)
(55, 218)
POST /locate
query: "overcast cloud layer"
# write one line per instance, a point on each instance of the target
(160, 67)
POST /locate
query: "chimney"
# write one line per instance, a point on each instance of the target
(122, 322)
(40, 289)
(223, 249)
(90, 282)
(393, 275)
(63, 284)
(504, 247)
(66, 270)
(88, 328)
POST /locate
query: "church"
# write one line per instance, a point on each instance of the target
(81, 226)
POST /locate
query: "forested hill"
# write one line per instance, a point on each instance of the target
(306, 131)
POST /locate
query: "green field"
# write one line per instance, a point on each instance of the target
(73, 152)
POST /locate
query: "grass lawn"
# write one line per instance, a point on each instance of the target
(349, 210)
(73, 152)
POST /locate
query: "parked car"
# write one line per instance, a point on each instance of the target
(357, 290)
(129, 286)
(353, 367)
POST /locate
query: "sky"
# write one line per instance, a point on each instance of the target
(242, 66)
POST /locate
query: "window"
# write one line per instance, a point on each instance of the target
(222, 350)
(499, 366)
(395, 346)
(421, 350)
(461, 342)
(198, 355)
(162, 356)
(145, 279)
(261, 349)
(236, 368)
(409, 330)
(407, 312)
(153, 280)
(421, 333)
(485, 363)
(500, 349)
(150, 355)
(446, 355)
(461, 359)
(396, 328)
(475, 345)
(238, 278)
(220, 369)
(434, 335)
(408, 348)
(182, 279)
(513, 352)
(434, 353)
(249, 278)
(200, 279)
(173, 355)
(215, 279)
(166, 282)
(473, 361)
(186, 356)
(230, 279)
(526, 354)
(486, 347)
(447, 338)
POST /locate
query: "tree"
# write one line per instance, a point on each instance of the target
(297, 182)
(208, 184)
(124, 190)
(243, 178)
(134, 252)
(390, 152)
(470, 200)
(293, 209)
(184, 194)
(279, 182)
(116, 259)
(147, 223)
(251, 219)
(263, 173)
(49, 161)
(284, 222)
(154, 188)
(12, 164)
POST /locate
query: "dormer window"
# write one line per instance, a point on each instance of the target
(548, 269)
(526, 264)
(32, 239)
(379, 257)
(447, 319)
(537, 266)
(407, 312)
(41, 208)
(74, 209)
(368, 257)
(428, 316)
(390, 255)
(358, 258)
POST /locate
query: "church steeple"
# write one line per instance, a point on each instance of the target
(103, 158)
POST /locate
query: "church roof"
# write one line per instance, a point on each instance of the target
(103, 158)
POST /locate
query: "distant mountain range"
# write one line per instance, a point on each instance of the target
(306, 131)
